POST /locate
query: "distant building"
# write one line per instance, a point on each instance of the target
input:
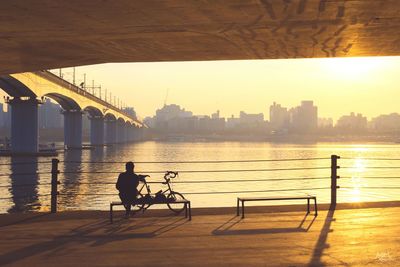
(208, 125)
(352, 123)
(5, 117)
(278, 117)
(247, 124)
(386, 123)
(130, 111)
(150, 121)
(215, 115)
(304, 118)
(172, 111)
(232, 122)
(85, 125)
(50, 116)
(325, 122)
(251, 119)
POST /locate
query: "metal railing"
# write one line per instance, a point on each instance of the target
(56, 172)
(334, 177)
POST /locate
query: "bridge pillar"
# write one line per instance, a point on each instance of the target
(130, 134)
(96, 131)
(24, 125)
(111, 131)
(121, 132)
(141, 133)
(72, 129)
(134, 133)
(127, 133)
(138, 134)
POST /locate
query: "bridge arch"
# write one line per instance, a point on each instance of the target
(110, 117)
(93, 111)
(120, 120)
(14, 87)
(65, 102)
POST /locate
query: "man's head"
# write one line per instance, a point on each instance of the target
(129, 166)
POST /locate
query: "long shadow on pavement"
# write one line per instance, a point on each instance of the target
(94, 234)
(226, 228)
(321, 244)
(25, 218)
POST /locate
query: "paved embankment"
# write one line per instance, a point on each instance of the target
(344, 237)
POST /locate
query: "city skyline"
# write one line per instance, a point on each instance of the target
(303, 117)
(339, 85)
(50, 115)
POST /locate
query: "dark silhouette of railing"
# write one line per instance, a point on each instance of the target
(334, 177)
(55, 172)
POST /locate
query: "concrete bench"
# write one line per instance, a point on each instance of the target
(187, 207)
(244, 199)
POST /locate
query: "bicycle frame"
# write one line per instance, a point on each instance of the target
(146, 186)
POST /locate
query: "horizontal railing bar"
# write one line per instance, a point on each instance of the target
(78, 183)
(371, 187)
(210, 181)
(246, 180)
(194, 161)
(370, 167)
(254, 191)
(202, 193)
(16, 185)
(25, 163)
(27, 196)
(89, 194)
(211, 171)
(372, 177)
(346, 158)
(28, 173)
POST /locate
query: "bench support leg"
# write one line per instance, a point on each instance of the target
(315, 207)
(185, 210)
(308, 205)
(242, 209)
(190, 211)
(111, 213)
(237, 207)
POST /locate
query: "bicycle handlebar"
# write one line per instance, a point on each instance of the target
(170, 174)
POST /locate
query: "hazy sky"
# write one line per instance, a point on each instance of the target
(337, 86)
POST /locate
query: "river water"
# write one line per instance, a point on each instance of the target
(364, 176)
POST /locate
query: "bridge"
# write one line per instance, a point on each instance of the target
(54, 33)
(108, 123)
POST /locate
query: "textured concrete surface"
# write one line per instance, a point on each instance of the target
(349, 237)
(56, 33)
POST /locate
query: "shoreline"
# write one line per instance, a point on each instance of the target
(287, 139)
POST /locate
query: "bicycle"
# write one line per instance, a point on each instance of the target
(168, 196)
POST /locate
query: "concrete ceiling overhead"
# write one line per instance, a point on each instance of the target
(45, 34)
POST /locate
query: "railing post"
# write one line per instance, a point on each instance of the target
(334, 177)
(54, 184)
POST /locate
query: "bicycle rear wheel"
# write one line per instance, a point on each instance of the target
(175, 207)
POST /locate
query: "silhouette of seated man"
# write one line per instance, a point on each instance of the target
(127, 184)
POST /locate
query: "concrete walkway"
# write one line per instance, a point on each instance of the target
(355, 237)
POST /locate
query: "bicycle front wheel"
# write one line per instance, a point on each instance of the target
(175, 197)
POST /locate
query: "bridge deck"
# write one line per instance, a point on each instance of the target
(357, 236)
(57, 34)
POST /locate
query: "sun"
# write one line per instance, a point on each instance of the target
(353, 68)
